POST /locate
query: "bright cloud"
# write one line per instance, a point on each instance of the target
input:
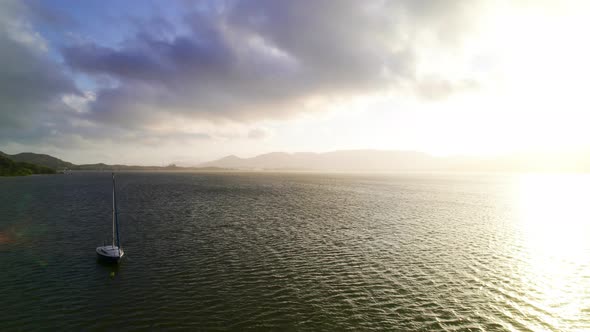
(138, 83)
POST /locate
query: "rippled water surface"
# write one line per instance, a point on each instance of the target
(297, 252)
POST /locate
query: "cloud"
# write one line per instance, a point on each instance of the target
(258, 133)
(235, 62)
(30, 84)
(252, 60)
(434, 89)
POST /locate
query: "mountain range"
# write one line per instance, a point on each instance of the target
(351, 160)
(387, 160)
(57, 164)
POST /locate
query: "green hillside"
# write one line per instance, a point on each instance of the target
(39, 159)
(10, 167)
(45, 164)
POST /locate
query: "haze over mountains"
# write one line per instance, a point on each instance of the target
(353, 161)
(383, 160)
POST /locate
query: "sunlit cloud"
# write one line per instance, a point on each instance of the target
(444, 77)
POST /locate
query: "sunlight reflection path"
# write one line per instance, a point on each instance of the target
(554, 214)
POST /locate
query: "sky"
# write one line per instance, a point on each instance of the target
(159, 82)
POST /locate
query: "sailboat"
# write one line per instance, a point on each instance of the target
(113, 252)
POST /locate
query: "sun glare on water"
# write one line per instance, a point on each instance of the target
(554, 211)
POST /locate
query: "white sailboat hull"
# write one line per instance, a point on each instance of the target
(110, 253)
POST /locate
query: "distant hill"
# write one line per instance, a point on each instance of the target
(384, 160)
(106, 167)
(39, 159)
(58, 164)
(9, 167)
(349, 160)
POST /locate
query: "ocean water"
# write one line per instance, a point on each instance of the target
(271, 251)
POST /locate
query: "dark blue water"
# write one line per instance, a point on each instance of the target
(236, 251)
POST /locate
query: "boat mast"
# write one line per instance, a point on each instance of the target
(114, 210)
(115, 217)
